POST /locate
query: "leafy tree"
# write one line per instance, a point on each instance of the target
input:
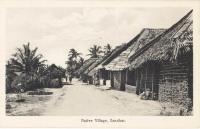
(73, 54)
(95, 51)
(26, 61)
(74, 61)
(71, 66)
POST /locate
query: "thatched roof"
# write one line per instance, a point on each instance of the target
(54, 71)
(121, 61)
(86, 65)
(162, 47)
(92, 69)
(92, 66)
(112, 55)
(115, 53)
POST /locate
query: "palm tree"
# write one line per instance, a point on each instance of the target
(81, 61)
(95, 51)
(107, 49)
(26, 61)
(71, 65)
(73, 54)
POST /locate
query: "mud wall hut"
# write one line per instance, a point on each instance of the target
(167, 63)
(105, 76)
(122, 78)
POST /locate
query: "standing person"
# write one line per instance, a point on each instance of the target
(66, 76)
(70, 78)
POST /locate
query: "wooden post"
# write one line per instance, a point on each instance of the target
(99, 78)
(108, 75)
(110, 78)
(152, 82)
(136, 79)
(127, 76)
(146, 78)
(140, 80)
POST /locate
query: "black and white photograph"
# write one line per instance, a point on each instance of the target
(99, 61)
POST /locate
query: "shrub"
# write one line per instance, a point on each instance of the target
(54, 83)
(23, 83)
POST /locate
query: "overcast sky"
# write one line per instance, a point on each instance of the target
(55, 30)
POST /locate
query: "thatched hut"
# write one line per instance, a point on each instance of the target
(105, 75)
(119, 64)
(84, 67)
(91, 78)
(165, 65)
(93, 73)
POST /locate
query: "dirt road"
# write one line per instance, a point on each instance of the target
(79, 99)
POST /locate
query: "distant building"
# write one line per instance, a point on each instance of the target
(83, 68)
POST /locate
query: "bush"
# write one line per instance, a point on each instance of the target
(23, 83)
(54, 83)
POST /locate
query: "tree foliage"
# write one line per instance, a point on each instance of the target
(73, 54)
(95, 51)
(75, 61)
(33, 73)
(26, 61)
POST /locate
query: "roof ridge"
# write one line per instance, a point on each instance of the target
(154, 29)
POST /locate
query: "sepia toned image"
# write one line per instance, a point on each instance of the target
(99, 61)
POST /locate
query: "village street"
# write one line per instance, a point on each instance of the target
(81, 99)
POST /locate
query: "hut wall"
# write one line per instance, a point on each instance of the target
(104, 76)
(147, 77)
(176, 82)
(131, 77)
(119, 79)
(108, 83)
(123, 80)
(90, 80)
(131, 81)
(111, 79)
(84, 78)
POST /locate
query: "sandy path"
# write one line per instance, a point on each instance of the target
(88, 100)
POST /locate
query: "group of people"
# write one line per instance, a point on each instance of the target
(68, 76)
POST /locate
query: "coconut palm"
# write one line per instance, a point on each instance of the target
(81, 61)
(73, 54)
(26, 61)
(95, 51)
(71, 65)
(107, 49)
